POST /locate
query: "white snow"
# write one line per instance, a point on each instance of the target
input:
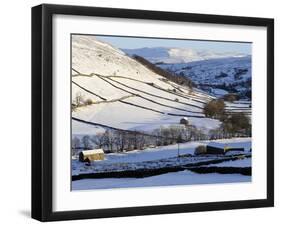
(246, 162)
(179, 178)
(94, 151)
(164, 153)
(219, 92)
(156, 157)
(90, 55)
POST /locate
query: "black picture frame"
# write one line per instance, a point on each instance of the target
(42, 95)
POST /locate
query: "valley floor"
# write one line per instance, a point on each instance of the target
(163, 157)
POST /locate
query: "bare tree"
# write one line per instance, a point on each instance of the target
(158, 139)
(142, 141)
(98, 139)
(75, 144)
(120, 140)
(192, 132)
(216, 134)
(176, 131)
(79, 99)
(109, 139)
(86, 142)
(165, 133)
(135, 140)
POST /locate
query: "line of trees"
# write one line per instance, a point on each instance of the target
(113, 141)
(122, 141)
(179, 79)
(236, 125)
(177, 134)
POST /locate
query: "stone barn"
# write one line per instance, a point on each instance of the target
(184, 121)
(91, 155)
(220, 148)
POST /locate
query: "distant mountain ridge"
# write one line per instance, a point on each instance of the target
(179, 55)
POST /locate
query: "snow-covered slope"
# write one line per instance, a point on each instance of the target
(231, 74)
(216, 73)
(157, 157)
(125, 94)
(178, 55)
(92, 56)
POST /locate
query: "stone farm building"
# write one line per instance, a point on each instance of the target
(221, 148)
(91, 155)
(184, 121)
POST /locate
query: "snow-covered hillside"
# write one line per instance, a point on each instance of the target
(178, 55)
(216, 73)
(232, 74)
(125, 94)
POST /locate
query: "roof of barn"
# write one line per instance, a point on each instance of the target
(91, 152)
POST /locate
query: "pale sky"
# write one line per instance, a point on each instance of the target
(215, 46)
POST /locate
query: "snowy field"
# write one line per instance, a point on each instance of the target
(171, 150)
(161, 157)
(179, 178)
(164, 153)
